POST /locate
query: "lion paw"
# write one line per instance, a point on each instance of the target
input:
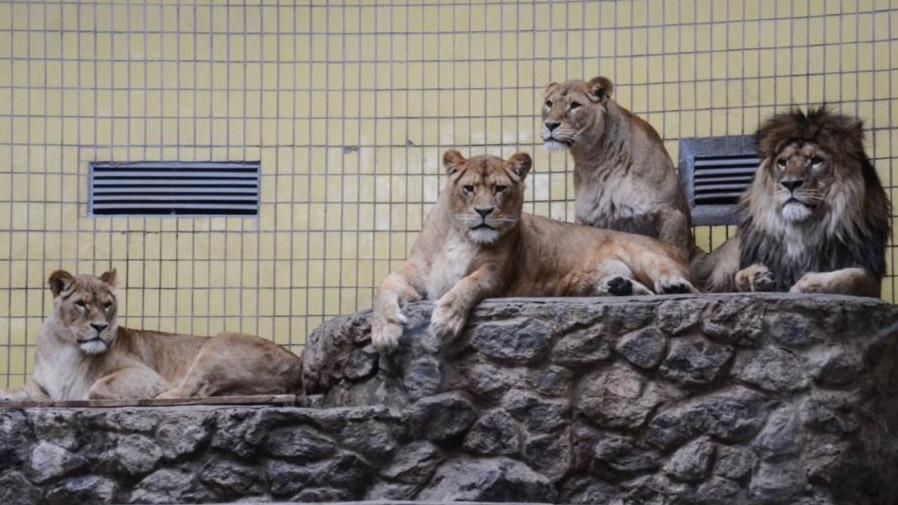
(674, 285)
(756, 277)
(811, 282)
(385, 332)
(622, 286)
(447, 320)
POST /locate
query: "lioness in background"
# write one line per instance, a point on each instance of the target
(623, 177)
(477, 243)
(83, 354)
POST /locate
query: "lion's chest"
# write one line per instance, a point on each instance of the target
(450, 265)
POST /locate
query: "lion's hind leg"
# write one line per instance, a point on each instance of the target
(238, 364)
(615, 278)
(128, 383)
(664, 272)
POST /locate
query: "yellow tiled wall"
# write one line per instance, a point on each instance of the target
(349, 107)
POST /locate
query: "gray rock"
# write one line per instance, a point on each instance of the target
(49, 461)
(588, 491)
(230, 478)
(84, 489)
(414, 464)
(516, 341)
(792, 330)
(13, 430)
(692, 462)
(552, 381)
(772, 369)
(536, 413)
(781, 437)
(181, 435)
(386, 491)
(550, 455)
(718, 490)
(337, 337)
(677, 316)
(619, 397)
(56, 426)
(493, 434)
(362, 363)
(732, 415)
(737, 320)
(644, 348)
(322, 495)
(584, 346)
(830, 414)
(489, 381)
(301, 442)
(836, 366)
(346, 471)
(695, 361)
(132, 454)
(778, 483)
(496, 479)
(170, 485)
(620, 456)
(371, 438)
(441, 417)
(15, 489)
(239, 431)
(734, 462)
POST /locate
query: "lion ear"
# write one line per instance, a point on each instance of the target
(109, 277)
(59, 281)
(453, 161)
(549, 87)
(520, 164)
(600, 89)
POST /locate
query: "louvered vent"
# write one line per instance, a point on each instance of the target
(715, 171)
(174, 188)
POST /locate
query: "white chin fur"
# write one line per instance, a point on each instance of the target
(555, 146)
(795, 212)
(93, 347)
(483, 236)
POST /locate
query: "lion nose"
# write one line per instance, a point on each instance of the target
(484, 212)
(98, 327)
(551, 125)
(793, 184)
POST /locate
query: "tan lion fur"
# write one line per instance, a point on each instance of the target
(82, 353)
(478, 243)
(623, 177)
(816, 217)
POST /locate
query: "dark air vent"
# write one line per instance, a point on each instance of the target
(715, 171)
(174, 188)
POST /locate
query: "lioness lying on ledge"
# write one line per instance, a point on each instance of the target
(477, 243)
(83, 354)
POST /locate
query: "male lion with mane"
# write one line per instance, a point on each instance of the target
(816, 217)
(623, 177)
(477, 243)
(83, 354)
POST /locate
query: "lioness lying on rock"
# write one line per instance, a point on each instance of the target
(477, 243)
(83, 354)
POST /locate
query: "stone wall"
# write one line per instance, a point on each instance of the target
(705, 399)
(652, 400)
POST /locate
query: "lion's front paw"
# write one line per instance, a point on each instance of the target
(674, 284)
(812, 282)
(447, 319)
(756, 277)
(385, 332)
(622, 286)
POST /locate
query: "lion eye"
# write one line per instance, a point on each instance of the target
(549, 103)
(500, 188)
(575, 106)
(468, 189)
(816, 160)
(107, 306)
(80, 304)
(781, 163)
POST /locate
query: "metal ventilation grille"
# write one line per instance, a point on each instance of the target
(174, 188)
(715, 171)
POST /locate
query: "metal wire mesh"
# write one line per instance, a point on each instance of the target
(349, 106)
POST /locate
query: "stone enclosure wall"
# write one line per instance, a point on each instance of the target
(730, 399)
